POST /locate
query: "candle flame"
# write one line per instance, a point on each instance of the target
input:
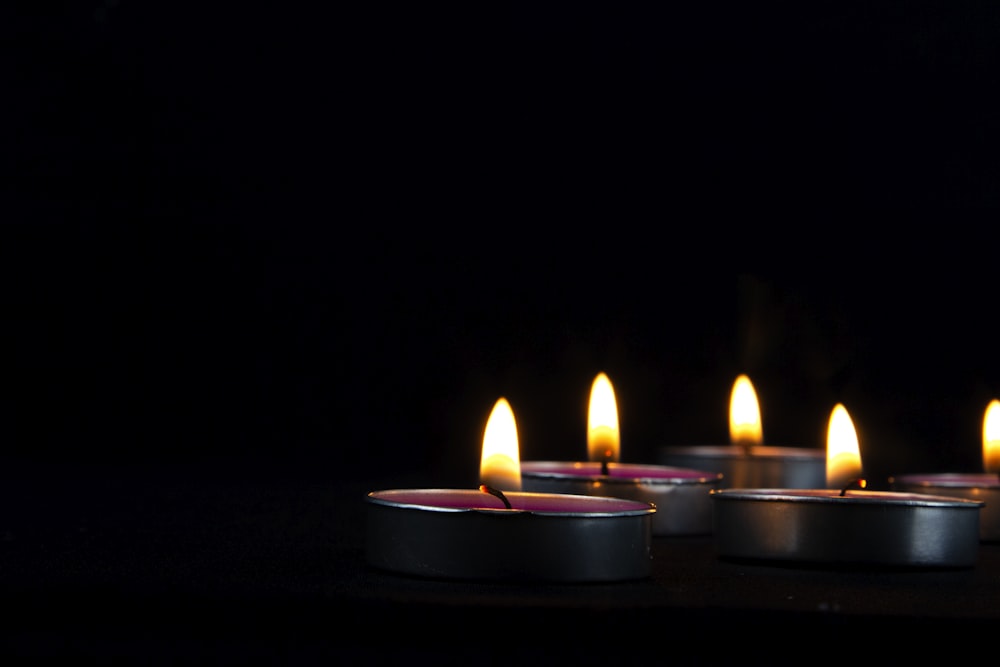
(603, 438)
(500, 465)
(744, 414)
(843, 454)
(991, 437)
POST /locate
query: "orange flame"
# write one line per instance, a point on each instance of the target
(603, 437)
(843, 454)
(500, 465)
(991, 437)
(744, 414)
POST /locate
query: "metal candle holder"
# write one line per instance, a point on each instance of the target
(754, 466)
(540, 537)
(860, 528)
(974, 486)
(681, 496)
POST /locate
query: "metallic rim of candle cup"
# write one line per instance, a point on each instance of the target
(704, 477)
(737, 452)
(942, 480)
(640, 508)
(852, 496)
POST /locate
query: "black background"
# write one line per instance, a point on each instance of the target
(331, 238)
(259, 259)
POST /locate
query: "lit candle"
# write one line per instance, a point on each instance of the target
(991, 438)
(843, 453)
(983, 486)
(683, 506)
(501, 533)
(500, 465)
(844, 525)
(746, 462)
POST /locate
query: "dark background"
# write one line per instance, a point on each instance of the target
(259, 259)
(329, 240)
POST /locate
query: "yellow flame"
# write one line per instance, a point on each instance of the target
(991, 437)
(500, 465)
(603, 438)
(744, 414)
(843, 454)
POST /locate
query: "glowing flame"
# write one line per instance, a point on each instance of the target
(744, 414)
(843, 454)
(991, 437)
(500, 466)
(602, 421)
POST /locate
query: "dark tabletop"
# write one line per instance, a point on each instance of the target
(233, 563)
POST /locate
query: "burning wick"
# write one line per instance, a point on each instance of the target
(495, 492)
(604, 467)
(860, 483)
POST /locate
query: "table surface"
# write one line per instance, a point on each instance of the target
(186, 562)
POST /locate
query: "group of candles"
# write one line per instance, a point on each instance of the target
(595, 520)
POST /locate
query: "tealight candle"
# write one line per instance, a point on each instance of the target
(502, 533)
(976, 486)
(841, 525)
(746, 462)
(681, 495)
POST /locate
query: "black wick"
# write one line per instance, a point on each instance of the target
(604, 467)
(859, 482)
(495, 492)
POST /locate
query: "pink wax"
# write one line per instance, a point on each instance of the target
(633, 471)
(457, 500)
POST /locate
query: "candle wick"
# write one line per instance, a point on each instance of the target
(495, 492)
(604, 467)
(859, 482)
